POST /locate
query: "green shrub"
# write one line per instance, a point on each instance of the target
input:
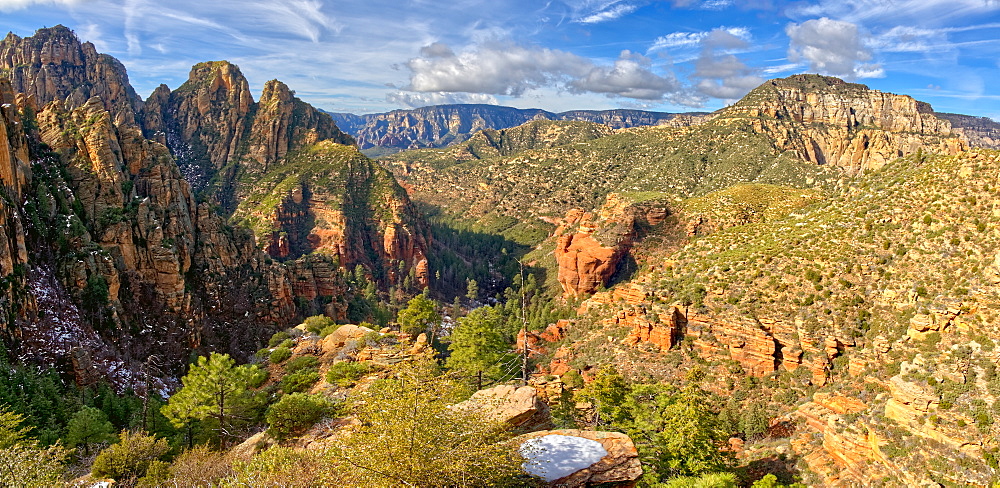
(287, 343)
(346, 373)
(572, 379)
(280, 354)
(299, 381)
(295, 413)
(317, 323)
(130, 458)
(302, 362)
(278, 338)
(157, 475)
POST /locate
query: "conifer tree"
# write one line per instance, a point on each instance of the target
(214, 388)
(89, 426)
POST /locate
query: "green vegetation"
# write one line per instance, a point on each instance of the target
(131, 458)
(296, 412)
(89, 426)
(215, 389)
(479, 348)
(419, 316)
(345, 373)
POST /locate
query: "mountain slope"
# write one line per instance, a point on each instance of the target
(440, 125)
(868, 314)
(791, 132)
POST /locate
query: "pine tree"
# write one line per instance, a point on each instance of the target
(89, 426)
(419, 316)
(478, 347)
(214, 388)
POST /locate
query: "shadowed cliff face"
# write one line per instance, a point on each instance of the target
(106, 257)
(220, 135)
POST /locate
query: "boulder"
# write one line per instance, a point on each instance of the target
(618, 467)
(518, 407)
(336, 340)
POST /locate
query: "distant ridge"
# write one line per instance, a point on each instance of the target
(441, 125)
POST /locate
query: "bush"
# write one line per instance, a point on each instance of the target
(130, 458)
(302, 362)
(317, 323)
(282, 466)
(278, 338)
(330, 329)
(156, 475)
(572, 379)
(200, 466)
(295, 413)
(299, 381)
(26, 465)
(710, 480)
(346, 373)
(280, 354)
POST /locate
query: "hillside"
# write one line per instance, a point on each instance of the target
(441, 125)
(804, 284)
(868, 315)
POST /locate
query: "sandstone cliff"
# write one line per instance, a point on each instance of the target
(124, 262)
(329, 198)
(54, 65)
(219, 134)
(828, 121)
(590, 247)
(981, 131)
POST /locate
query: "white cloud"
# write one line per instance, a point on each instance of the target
(300, 17)
(692, 39)
(506, 69)
(13, 5)
(831, 47)
(900, 12)
(612, 13)
(721, 74)
(495, 69)
(631, 76)
(414, 100)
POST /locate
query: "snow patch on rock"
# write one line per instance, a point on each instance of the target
(556, 456)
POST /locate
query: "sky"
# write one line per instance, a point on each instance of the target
(365, 56)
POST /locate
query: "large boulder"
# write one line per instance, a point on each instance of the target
(340, 337)
(518, 407)
(570, 458)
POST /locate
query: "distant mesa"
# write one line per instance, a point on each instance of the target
(441, 125)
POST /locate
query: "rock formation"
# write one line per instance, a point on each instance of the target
(53, 65)
(212, 124)
(589, 248)
(980, 131)
(125, 261)
(619, 468)
(828, 121)
(519, 408)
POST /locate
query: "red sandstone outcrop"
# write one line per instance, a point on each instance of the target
(590, 247)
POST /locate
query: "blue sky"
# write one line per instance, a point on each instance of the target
(670, 55)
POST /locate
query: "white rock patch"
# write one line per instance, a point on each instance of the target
(554, 456)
